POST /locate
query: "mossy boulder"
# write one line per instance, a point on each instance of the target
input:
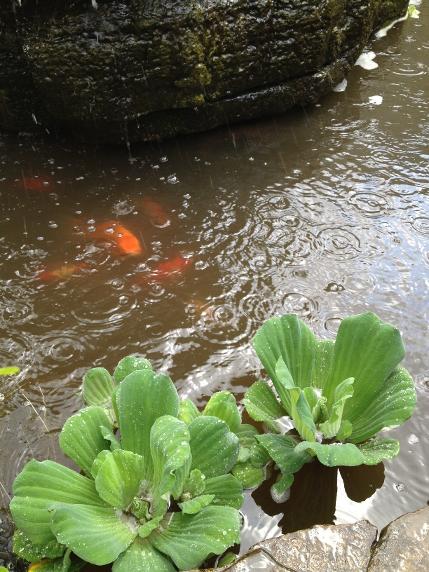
(148, 69)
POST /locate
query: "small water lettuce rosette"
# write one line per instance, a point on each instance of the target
(337, 395)
(154, 493)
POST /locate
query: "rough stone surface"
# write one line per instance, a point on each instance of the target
(403, 545)
(144, 69)
(342, 548)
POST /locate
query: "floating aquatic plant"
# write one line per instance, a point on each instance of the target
(155, 493)
(337, 395)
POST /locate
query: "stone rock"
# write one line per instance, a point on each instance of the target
(147, 69)
(341, 548)
(403, 545)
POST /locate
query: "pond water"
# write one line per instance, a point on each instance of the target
(322, 212)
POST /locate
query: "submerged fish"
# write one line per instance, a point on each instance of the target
(119, 236)
(166, 270)
(39, 184)
(62, 272)
(156, 212)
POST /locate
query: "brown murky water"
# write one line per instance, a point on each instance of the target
(322, 212)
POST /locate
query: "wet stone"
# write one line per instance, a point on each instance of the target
(341, 548)
(403, 545)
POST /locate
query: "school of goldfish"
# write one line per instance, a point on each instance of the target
(118, 239)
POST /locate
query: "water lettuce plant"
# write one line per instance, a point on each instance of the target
(154, 492)
(336, 395)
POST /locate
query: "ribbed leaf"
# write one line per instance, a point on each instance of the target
(214, 447)
(130, 364)
(335, 454)
(332, 425)
(95, 534)
(282, 449)
(301, 414)
(249, 476)
(37, 487)
(119, 476)
(193, 506)
(376, 450)
(148, 527)
(392, 405)
(289, 338)
(281, 486)
(170, 450)
(189, 539)
(27, 550)
(142, 557)
(188, 411)
(194, 485)
(82, 439)
(261, 403)
(227, 491)
(223, 405)
(368, 350)
(141, 398)
(98, 386)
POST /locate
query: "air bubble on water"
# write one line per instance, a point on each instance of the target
(52, 224)
(413, 439)
(77, 212)
(40, 238)
(399, 487)
(164, 159)
(1, 396)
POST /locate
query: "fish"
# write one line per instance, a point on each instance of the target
(39, 184)
(63, 272)
(125, 241)
(156, 212)
(171, 267)
(165, 270)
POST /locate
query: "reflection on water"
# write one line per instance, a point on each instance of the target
(322, 212)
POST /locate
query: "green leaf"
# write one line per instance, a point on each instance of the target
(288, 338)
(37, 487)
(98, 461)
(142, 557)
(148, 527)
(283, 451)
(27, 550)
(193, 506)
(141, 398)
(246, 434)
(214, 447)
(223, 405)
(345, 430)
(11, 370)
(226, 489)
(169, 444)
(194, 485)
(283, 374)
(332, 425)
(392, 405)
(261, 403)
(129, 365)
(110, 436)
(95, 534)
(333, 455)
(119, 477)
(98, 386)
(368, 350)
(82, 439)
(188, 539)
(301, 414)
(376, 450)
(188, 411)
(249, 476)
(281, 486)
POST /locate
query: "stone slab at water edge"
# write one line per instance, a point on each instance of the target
(403, 545)
(139, 70)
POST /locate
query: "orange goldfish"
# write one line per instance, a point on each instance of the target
(39, 184)
(62, 272)
(123, 239)
(156, 212)
(171, 267)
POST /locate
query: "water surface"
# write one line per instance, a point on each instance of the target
(322, 212)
